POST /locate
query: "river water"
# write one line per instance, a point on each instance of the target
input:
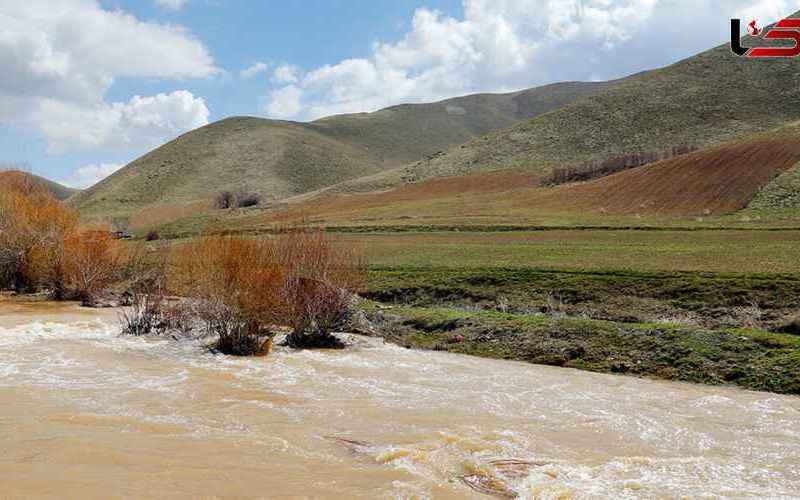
(85, 413)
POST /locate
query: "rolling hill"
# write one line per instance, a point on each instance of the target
(59, 191)
(689, 189)
(279, 159)
(704, 100)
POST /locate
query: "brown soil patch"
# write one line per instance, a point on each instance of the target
(442, 187)
(710, 182)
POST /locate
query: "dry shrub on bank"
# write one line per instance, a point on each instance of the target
(321, 277)
(42, 246)
(33, 230)
(143, 279)
(244, 288)
(91, 262)
(235, 282)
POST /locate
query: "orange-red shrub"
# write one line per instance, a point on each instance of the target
(91, 262)
(237, 285)
(245, 287)
(33, 228)
(320, 279)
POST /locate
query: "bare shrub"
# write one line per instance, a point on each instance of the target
(142, 271)
(555, 305)
(178, 318)
(601, 168)
(152, 235)
(224, 200)
(91, 262)
(247, 199)
(244, 288)
(237, 284)
(33, 227)
(144, 316)
(749, 316)
(321, 278)
(142, 275)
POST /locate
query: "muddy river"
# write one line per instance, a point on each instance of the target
(85, 413)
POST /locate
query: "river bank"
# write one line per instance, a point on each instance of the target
(703, 328)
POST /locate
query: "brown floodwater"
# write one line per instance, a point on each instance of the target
(85, 413)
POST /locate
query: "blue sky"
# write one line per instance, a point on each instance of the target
(72, 69)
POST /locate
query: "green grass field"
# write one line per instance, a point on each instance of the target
(717, 251)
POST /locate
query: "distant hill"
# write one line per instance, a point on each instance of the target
(704, 100)
(280, 159)
(715, 181)
(59, 191)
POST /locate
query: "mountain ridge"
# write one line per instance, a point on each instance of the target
(280, 159)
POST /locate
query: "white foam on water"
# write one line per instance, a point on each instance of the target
(430, 416)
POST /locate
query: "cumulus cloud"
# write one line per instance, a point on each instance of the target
(285, 73)
(253, 70)
(503, 45)
(89, 175)
(60, 58)
(171, 4)
(141, 123)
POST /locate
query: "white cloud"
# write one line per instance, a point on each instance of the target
(60, 57)
(253, 70)
(141, 123)
(284, 102)
(171, 4)
(285, 74)
(503, 45)
(89, 175)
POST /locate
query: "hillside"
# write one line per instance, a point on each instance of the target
(59, 191)
(704, 100)
(279, 159)
(703, 187)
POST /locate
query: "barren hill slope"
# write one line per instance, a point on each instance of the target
(279, 159)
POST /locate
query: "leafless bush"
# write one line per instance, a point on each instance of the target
(601, 168)
(224, 200)
(236, 283)
(91, 261)
(152, 235)
(245, 288)
(144, 316)
(33, 228)
(318, 290)
(749, 316)
(555, 305)
(245, 199)
(143, 275)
